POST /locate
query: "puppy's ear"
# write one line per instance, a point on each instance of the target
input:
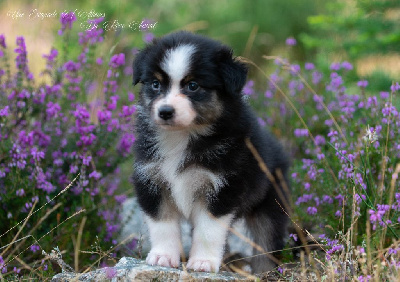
(139, 66)
(233, 72)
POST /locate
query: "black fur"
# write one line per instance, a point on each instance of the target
(247, 192)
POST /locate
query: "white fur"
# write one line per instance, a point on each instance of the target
(177, 61)
(209, 236)
(165, 242)
(184, 184)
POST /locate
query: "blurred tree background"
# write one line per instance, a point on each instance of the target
(253, 28)
(364, 32)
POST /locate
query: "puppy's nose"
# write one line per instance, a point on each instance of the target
(166, 112)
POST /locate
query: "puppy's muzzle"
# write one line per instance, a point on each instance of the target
(166, 112)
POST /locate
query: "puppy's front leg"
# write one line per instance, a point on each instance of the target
(209, 236)
(165, 242)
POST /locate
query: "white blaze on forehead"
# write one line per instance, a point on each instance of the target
(176, 62)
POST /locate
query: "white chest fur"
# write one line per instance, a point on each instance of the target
(185, 184)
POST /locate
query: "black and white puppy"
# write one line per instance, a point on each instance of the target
(191, 156)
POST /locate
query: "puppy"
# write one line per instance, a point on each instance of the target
(192, 160)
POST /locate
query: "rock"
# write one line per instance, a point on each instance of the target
(133, 223)
(130, 269)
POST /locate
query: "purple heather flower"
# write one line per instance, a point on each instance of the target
(73, 169)
(21, 59)
(3, 41)
(99, 61)
(309, 66)
(336, 83)
(95, 21)
(362, 83)
(128, 111)
(347, 66)
(86, 140)
(117, 60)
(131, 97)
(248, 88)
(376, 217)
(112, 105)
(384, 95)
(34, 248)
(20, 192)
(295, 69)
(335, 66)
(104, 116)
(66, 20)
(114, 124)
(338, 213)
(268, 94)
(146, 24)
(96, 175)
(304, 199)
(312, 210)
(71, 66)
(91, 36)
(120, 198)
(300, 132)
(294, 236)
(320, 140)
(372, 102)
(148, 37)
(395, 87)
(52, 109)
(316, 77)
(4, 111)
(327, 199)
(126, 143)
(290, 41)
(51, 58)
(16, 270)
(86, 160)
(261, 122)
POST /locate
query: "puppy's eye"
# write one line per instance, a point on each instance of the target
(192, 86)
(155, 85)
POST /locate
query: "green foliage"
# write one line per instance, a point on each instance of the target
(367, 28)
(353, 30)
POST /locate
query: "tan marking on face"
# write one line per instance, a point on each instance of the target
(188, 78)
(158, 76)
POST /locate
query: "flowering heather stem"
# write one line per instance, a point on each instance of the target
(386, 150)
(294, 109)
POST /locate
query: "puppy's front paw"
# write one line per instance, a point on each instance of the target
(199, 264)
(162, 259)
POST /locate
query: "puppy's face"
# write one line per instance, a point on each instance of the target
(183, 81)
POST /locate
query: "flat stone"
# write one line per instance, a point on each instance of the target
(131, 269)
